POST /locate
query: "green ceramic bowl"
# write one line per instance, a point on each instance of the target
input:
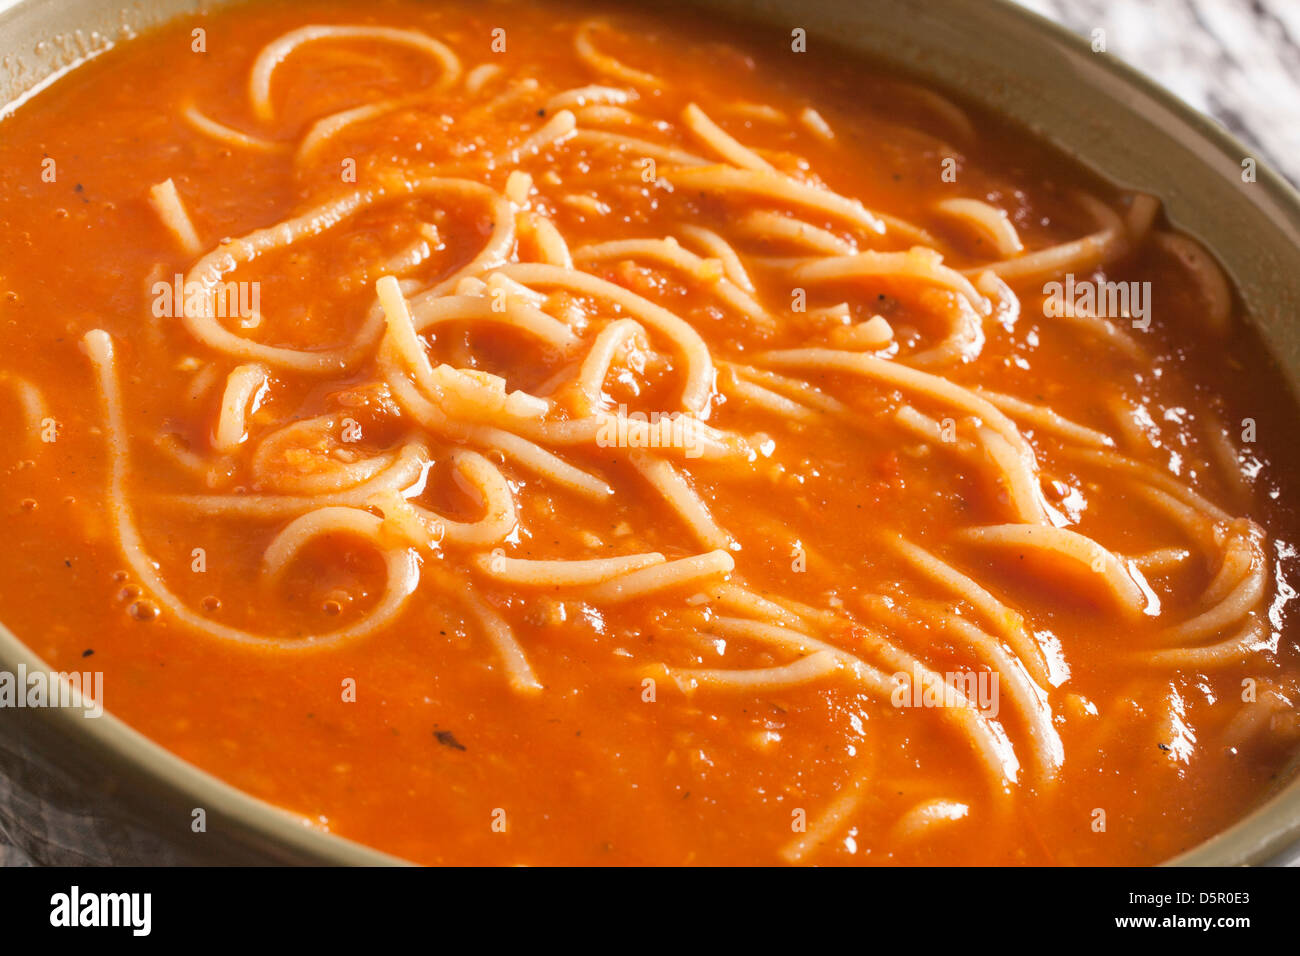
(1090, 106)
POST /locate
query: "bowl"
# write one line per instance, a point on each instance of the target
(103, 784)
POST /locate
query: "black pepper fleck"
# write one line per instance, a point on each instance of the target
(448, 739)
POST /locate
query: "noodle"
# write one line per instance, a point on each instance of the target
(403, 572)
(603, 63)
(245, 389)
(988, 221)
(208, 272)
(167, 202)
(711, 134)
(652, 580)
(229, 136)
(274, 53)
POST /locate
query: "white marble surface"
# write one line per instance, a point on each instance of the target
(1238, 61)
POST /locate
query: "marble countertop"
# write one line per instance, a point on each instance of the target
(1237, 61)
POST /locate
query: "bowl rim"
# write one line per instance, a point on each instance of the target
(1258, 837)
